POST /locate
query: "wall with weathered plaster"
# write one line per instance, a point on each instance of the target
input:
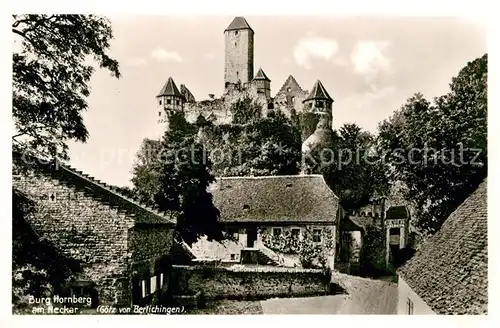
(405, 293)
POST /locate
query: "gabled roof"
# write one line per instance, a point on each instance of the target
(292, 84)
(170, 89)
(281, 199)
(397, 212)
(318, 92)
(450, 270)
(141, 213)
(238, 23)
(261, 75)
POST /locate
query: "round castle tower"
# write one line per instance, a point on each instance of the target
(319, 103)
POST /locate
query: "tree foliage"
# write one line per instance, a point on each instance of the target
(266, 146)
(439, 150)
(51, 76)
(351, 167)
(176, 178)
(245, 110)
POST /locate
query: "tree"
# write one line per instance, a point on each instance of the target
(51, 76)
(350, 166)
(266, 146)
(177, 178)
(439, 150)
(245, 110)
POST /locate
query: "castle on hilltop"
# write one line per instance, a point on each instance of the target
(240, 82)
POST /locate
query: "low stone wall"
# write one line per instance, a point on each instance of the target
(248, 282)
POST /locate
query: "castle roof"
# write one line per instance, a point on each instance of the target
(100, 191)
(291, 198)
(292, 84)
(261, 75)
(450, 269)
(170, 89)
(238, 23)
(318, 92)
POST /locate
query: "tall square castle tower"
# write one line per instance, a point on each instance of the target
(239, 52)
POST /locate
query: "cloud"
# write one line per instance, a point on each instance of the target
(369, 59)
(166, 56)
(136, 62)
(314, 47)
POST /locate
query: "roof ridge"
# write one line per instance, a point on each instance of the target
(110, 189)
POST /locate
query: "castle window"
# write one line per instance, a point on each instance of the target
(159, 102)
(159, 113)
(319, 104)
(169, 101)
(363, 213)
(177, 102)
(293, 100)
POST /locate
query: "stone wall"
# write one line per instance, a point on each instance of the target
(82, 228)
(99, 236)
(248, 282)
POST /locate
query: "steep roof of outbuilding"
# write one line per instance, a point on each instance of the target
(450, 270)
(261, 75)
(291, 198)
(238, 23)
(170, 89)
(141, 213)
(318, 92)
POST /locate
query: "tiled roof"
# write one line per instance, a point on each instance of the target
(318, 92)
(141, 213)
(450, 270)
(292, 198)
(238, 23)
(170, 89)
(261, 75)
(397, 212)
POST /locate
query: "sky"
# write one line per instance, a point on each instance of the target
(369, 65)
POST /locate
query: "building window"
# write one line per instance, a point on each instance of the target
(235, 32)
(276, 232)
(317, 235)
(161, 280)
(236, 44)
(233, 232)
(295, 233)
(233, 257)
(177, 102)
(159, 102)
(144, 288)
(409, 306)
(289, 89)
(293, 100)
(169, 101)
(159, 113)
(152, 283)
